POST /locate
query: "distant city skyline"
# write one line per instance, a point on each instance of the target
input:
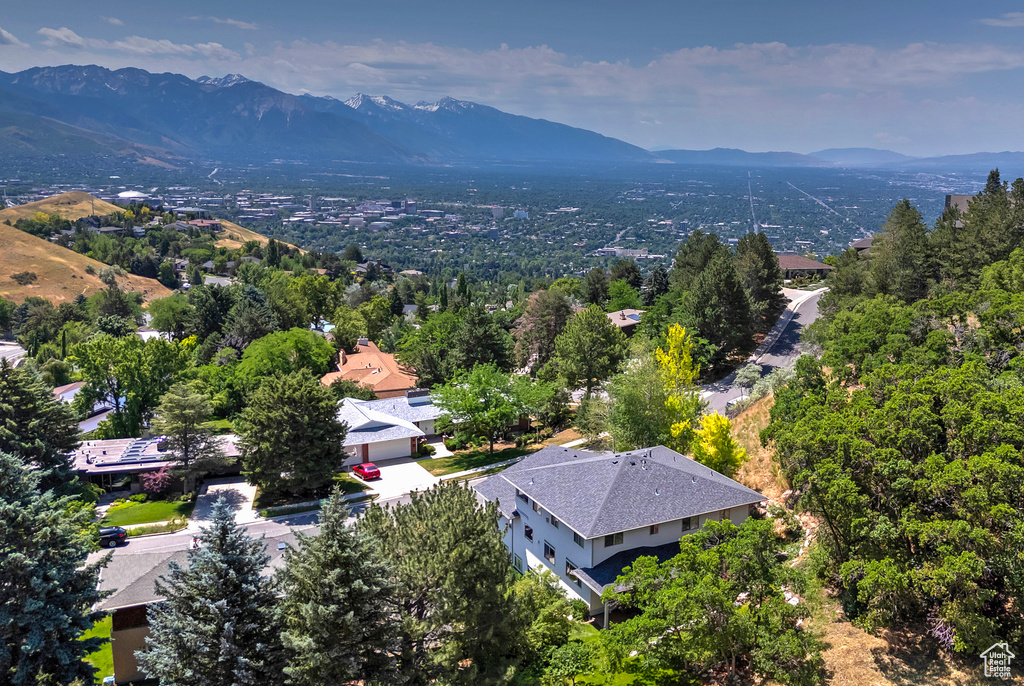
(920, 78)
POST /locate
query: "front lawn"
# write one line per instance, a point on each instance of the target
(469, 459)
(102, 659)
(146, 513)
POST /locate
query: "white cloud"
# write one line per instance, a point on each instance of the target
(113, 20)
(8, 38)
(134, 45)
(1009, 19)
(238, 24)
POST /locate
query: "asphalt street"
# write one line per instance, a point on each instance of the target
(782, 354)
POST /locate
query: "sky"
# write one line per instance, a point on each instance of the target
(921, 78)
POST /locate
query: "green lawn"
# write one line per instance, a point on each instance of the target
(102, 659)
(219, 426)
(145, 513)
(468, 459)
(346, 482)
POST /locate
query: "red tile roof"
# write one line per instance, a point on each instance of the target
(369, 366)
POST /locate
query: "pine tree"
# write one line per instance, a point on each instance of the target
(395, 301)
(454, 576)
(757, 267)
(695, 254)
(251, 318)
(291, 427)
(46, 589)
(655, 284)
(216, 626)
(479, 340)
(183, 411)
(900, 255)
(717, 306)
(36, 427)
(589, 349)
(595, 287)
(338, 612)
(544, 318)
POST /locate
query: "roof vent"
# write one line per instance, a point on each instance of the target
(281, 545)
(694, 479)
(657, 491)
(643, 465)
(632, 463)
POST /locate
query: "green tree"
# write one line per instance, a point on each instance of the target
(36, 427)
(482, 400)
(757, 267)
(900, 255)
(637, 415)
(48, 590)
(217, 624)
(569, 661)
(622, 296)
(250, 319)
(337, 613)
(285, 352)
(748, 375)
(459, 623)
(183, 410)
(167, 276)
(594, 290)
(171, 315)
(546, 314)
(480, 340)
(626, 270)
(349, 327)
(377, 315)
(129, 375)
(428, 349)
(716, 306)
(589, 349)
(715, 447)
(291, 438)
(656, 284)
(695, 254)
(679, 373)
(353, 254)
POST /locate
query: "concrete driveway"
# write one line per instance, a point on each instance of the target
(235, 490)
(400, 476)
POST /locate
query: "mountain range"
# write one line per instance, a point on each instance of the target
(169, 119)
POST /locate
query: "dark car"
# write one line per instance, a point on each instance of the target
(112, 536)
(366, 471)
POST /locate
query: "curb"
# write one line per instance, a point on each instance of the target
(781, 325)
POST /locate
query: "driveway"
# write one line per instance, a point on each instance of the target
(400, 476)
(235, 490)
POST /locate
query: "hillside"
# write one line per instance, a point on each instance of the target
(72, 206)
(61, 273)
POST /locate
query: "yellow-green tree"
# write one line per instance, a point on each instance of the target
(679, 374)
(715, 447)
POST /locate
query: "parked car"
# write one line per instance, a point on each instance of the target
(366, 471)
(112, 536)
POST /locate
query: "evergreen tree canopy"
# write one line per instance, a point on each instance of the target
(180, 417)
(900, 255)
(589, 349)
(656, 284)
(694, 256)
(217, 624)
(594, 290)
(626, 270)
(546, 314)
(757, 267)
(47, 591)
(291, 438)
(338, 613)
(459, 624)
(480, 340)
(37, 428)
(717, 307)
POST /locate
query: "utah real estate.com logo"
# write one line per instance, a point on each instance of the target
(997, 660)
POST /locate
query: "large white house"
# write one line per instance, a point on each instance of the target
(387, 428)
(586, 516)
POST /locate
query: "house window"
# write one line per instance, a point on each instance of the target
(687, 524)
(536, 506)
(725, 515)
(577, 539)
(528, 530)
(569, 569)
(549, 553)
(613, 539)
(654, 529)
(518, 562)
(522, 496)
(554, 521)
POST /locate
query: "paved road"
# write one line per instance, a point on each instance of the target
(782, 354)
(306, 522)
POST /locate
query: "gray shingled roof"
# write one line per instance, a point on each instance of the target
(132, 577)
(602, 493)
(401, 408)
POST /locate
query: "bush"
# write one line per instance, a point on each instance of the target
(580, 610)
(426, 450)
(24, 278)
(787, 526)
(89, 269)
(157, 482)
(138, 498)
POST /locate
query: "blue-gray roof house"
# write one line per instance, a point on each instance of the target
(586, 516)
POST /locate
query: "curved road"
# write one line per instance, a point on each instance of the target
(783, 353)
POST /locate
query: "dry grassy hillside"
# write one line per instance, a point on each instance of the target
(234, 236)
(60, 273)
(73, 205)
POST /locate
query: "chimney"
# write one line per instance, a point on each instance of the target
(344, 357)
(363, 340)
(622, 315)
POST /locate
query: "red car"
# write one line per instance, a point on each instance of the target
(366, 471)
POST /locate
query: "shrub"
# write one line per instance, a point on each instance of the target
(426, 450)
(24, 278)
(157, 482)
(138, 498)
(89, 269)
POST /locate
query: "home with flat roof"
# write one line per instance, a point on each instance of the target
(585, 515)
